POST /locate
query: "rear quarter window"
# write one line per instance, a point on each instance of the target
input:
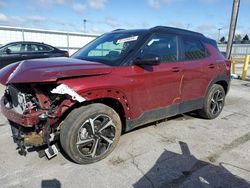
(193, 49)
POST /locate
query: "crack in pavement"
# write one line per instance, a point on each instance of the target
(140, 170)
(234, 114)
(227, 147)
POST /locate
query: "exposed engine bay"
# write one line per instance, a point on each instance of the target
(22, 99)
(38, 100)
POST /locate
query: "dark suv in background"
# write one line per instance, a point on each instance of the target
(18, 51)
(121, 80)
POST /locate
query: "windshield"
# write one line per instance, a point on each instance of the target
(109, 49)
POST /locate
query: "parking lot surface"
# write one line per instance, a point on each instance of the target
(183, 151)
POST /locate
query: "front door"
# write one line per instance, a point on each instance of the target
(157, 87)
(10, 54)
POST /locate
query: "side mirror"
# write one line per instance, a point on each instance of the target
(147, 61)
(8, 51)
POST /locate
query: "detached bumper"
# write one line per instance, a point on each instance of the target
(28, 120)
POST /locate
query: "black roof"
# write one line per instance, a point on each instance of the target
(30, 42)
(25, 42)
(174, 30)
(162, 29)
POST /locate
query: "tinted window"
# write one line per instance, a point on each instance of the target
(35, 48)
(193, 49)
(32, 48)
(163, 46)
(43, 48)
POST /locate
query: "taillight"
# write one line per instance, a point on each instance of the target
(66, 54)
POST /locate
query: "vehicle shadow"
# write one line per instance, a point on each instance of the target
(185, 170)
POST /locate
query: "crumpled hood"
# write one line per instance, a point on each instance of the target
(49, 70)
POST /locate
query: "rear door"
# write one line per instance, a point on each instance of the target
(45, 51)
(194, 81)
(32, 51)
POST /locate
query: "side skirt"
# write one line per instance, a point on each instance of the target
(165, 112)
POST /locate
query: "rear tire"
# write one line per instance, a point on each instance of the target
(213, 103)
(90, 133)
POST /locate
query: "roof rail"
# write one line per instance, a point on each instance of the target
(174, 29)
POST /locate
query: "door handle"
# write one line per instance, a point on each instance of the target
(211, 66)
(176, 69)
(24, 55)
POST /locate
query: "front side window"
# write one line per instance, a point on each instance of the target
(162, 46)
(193, 49)
(16, 48)
(110, 48)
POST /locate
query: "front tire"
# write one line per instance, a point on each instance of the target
(90, 133)
(213, 103)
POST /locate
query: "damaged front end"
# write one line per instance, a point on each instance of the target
(35, 112)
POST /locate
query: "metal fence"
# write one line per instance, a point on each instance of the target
(238, 49)
(70, 41)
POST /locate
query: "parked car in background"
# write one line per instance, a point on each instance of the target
(119, 81)
(18, 51)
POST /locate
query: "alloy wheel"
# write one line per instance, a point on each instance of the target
(95, 136)
(216, 103)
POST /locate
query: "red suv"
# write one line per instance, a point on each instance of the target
(121, 80)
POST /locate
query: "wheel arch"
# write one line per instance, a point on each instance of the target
(115, 105)
(113, 98)
(224, 84)
(223, 80)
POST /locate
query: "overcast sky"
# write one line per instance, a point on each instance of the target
(204, 16)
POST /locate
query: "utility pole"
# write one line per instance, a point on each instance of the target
(234, 17)
(84, 25)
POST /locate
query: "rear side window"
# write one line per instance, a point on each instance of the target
(193, 49)
(35, 48)
(43, 48)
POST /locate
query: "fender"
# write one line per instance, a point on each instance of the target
(222, 77)
(112, 93)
